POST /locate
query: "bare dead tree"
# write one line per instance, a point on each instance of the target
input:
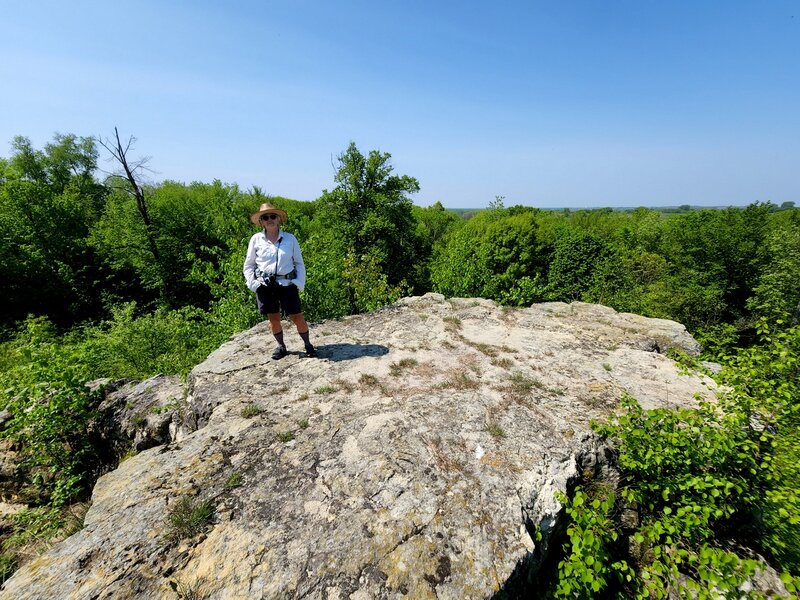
(131, 174)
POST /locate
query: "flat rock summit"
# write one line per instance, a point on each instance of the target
(419, 456)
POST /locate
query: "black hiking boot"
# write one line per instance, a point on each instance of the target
(279, 353)
(311, 352)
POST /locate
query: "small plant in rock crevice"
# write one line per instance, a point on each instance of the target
(495, 430)
(451, 323)
(285, 436)
(396, 369)
(344, 385)
(487, 349)
(8, 564)
(522, 384)
(234, 480)
(504, 363)
(251, 410)
(459, 380)
(189, 591)
(127, 454)
(368, 380)
(188, 516)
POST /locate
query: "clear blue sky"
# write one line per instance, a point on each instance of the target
(551, 104)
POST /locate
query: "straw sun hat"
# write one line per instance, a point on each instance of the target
(268, 208)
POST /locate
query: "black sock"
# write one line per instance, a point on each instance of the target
(304, 335)
(279, 338)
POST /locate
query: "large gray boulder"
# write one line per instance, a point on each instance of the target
(139, 415)
(418, 457)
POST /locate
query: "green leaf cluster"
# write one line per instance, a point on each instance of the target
(765, 385)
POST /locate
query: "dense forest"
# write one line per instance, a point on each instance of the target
(109, 276)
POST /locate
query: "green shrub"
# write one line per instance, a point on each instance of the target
(588, 564)
(140, 346)
(33, 531)
(51, 410)
(690, 472)
(703, 481)
(765, 384)
(718, 340)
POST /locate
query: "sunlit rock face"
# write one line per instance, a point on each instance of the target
(418, 456)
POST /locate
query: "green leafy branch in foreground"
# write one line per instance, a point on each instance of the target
(588, 566)
(765, 383)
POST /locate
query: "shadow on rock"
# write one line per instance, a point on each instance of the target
(337, 352)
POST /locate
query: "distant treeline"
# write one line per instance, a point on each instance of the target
(468, 213)
(83, 251)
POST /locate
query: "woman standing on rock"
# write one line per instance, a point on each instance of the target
(274, 270)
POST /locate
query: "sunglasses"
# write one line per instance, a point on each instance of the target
(269, 217)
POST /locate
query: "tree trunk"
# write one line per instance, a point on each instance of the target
(120, 154)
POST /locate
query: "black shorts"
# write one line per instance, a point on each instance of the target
(271, 299)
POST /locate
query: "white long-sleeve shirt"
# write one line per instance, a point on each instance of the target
(279, 258)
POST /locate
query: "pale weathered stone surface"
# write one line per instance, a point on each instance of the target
(415, 458)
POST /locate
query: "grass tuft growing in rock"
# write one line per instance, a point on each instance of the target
(487, 349)
(396, 369)
(459, 381)
(343, 384)
(451, 323)
(520, 383)
(251, 410)
(285, 436)
(234, 480)
(189, 591)
(504, 363)
(368, 380)
(495, 430)
(188, 517)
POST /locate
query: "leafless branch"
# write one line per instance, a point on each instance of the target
(130, 174)
(119, 154)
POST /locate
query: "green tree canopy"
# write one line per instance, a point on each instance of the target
(370, 209)
(49, 201)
